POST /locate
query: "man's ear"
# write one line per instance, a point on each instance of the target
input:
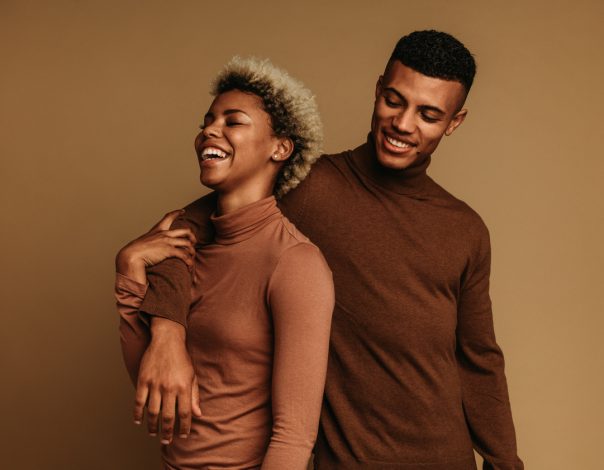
(456, 121)
(378, 86)
(285, 147)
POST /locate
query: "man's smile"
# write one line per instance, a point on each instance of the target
(397, 144)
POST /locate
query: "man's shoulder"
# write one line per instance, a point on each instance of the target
(331, 162)
(327, 177)
(328, 170)
(334, 168)
(459, 209)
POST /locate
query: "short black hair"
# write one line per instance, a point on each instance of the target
(436, 54)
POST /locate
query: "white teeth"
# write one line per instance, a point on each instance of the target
(210, 152)
(398, 143)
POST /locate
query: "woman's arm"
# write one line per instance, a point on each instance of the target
(301, 298)
(134, 334)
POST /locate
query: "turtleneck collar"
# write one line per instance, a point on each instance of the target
(411, 180)
(245, 222)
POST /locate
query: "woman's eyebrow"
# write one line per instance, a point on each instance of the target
(233, 111)
(210, 114)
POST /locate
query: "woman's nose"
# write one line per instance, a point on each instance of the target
(211, 130)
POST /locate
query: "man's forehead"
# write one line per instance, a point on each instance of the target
(413, 85)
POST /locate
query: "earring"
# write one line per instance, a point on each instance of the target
(275, 157)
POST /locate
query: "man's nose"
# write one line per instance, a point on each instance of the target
(404, 122)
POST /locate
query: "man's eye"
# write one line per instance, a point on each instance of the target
(391, 103)
(427, 118)
(234, 123)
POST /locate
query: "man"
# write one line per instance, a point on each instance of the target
(415, 377)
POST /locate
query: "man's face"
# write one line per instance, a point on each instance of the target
(411, 114)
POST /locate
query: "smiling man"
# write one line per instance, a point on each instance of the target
(415, 377)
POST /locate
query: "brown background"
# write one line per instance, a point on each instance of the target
(99, 106)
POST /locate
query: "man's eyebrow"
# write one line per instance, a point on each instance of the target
(424, 107)
(434, 109)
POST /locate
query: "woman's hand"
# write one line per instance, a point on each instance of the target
(166, 383)
(155, 246)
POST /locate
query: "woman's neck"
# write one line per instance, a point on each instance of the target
(234, 200)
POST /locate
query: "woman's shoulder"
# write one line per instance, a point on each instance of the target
(297, 248)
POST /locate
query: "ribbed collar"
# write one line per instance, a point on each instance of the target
(245, 222)
(411, 180)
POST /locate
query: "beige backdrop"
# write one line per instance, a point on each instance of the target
(100, 101)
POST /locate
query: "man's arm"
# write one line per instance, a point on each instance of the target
(169, 291)
(481, 367)
(139, 341)
(165, 379)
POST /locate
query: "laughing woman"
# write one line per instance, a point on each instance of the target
(262, 296)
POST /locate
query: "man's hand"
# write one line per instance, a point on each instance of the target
(166, 382)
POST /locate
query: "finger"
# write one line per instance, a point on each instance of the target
(181, 254)
(182, 233)
(140, 400)
(184, 413)
(168, 411)
(195, 407)
(166, 222)
(179, 242)
(153, 409)
(182, 244)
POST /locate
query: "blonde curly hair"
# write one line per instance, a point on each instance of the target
(291, 106)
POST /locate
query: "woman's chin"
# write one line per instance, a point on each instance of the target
(212, 183)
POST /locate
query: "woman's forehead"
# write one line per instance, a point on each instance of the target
(237, 99)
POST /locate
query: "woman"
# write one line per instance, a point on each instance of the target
(258, 326)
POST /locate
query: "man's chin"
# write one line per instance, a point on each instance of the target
(396, 162)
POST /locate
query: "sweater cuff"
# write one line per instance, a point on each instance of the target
(125, 284)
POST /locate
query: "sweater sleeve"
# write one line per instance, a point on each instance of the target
(481, 364)
(169, 291)
(301, 298)
(134, 333)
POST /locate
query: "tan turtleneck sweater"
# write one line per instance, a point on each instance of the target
(258, 334)
(415, 377)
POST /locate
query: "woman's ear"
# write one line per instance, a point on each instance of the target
(285, 147)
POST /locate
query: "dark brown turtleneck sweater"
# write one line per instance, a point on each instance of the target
(415, 377)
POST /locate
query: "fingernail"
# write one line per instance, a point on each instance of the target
(136, 421)
(184, 436)
(152, 434)
(165, 442)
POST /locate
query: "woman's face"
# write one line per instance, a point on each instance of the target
(236, 144)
